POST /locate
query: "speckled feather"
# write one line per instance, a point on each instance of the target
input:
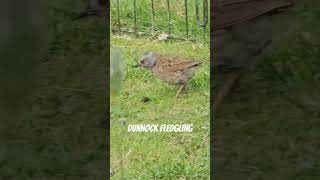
(174, 70)
(174, 64)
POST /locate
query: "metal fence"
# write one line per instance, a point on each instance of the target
(200, 18)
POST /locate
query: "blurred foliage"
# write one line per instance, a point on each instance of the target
(116, 71)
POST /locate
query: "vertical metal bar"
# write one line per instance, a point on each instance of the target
(186, 14)
(118, 15)
(152, 17)
(205, 16)
(204, 33)
(135, 16)
(197, 13)
(169, 16)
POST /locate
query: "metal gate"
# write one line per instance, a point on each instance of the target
(181, 19)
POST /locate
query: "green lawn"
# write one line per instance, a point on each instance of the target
(267, 128)
(144, 17)
(62, 133)
(160, 155)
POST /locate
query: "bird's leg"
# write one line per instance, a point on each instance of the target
(180, 89)
(227, 86)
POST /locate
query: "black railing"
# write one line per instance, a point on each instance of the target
(198, 21)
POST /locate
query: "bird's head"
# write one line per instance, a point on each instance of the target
(148, 60)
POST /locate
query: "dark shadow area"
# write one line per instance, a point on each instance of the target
(268, 124)
(54, 88)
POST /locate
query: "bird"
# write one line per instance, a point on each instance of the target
(94, 8)
(242, 31)
(171, 70)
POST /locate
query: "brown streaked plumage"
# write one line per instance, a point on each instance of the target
(172, 70)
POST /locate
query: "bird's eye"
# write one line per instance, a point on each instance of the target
(142, 62)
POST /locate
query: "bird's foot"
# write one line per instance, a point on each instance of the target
(179, 90)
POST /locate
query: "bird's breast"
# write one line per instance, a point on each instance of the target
(175, 78)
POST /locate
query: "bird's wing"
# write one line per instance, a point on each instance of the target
(229, 12)
(175, 63)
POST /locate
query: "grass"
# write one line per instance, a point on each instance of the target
(258, 135)
(144, 17)
(160, 155)
(269, 126)
(62, 133)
